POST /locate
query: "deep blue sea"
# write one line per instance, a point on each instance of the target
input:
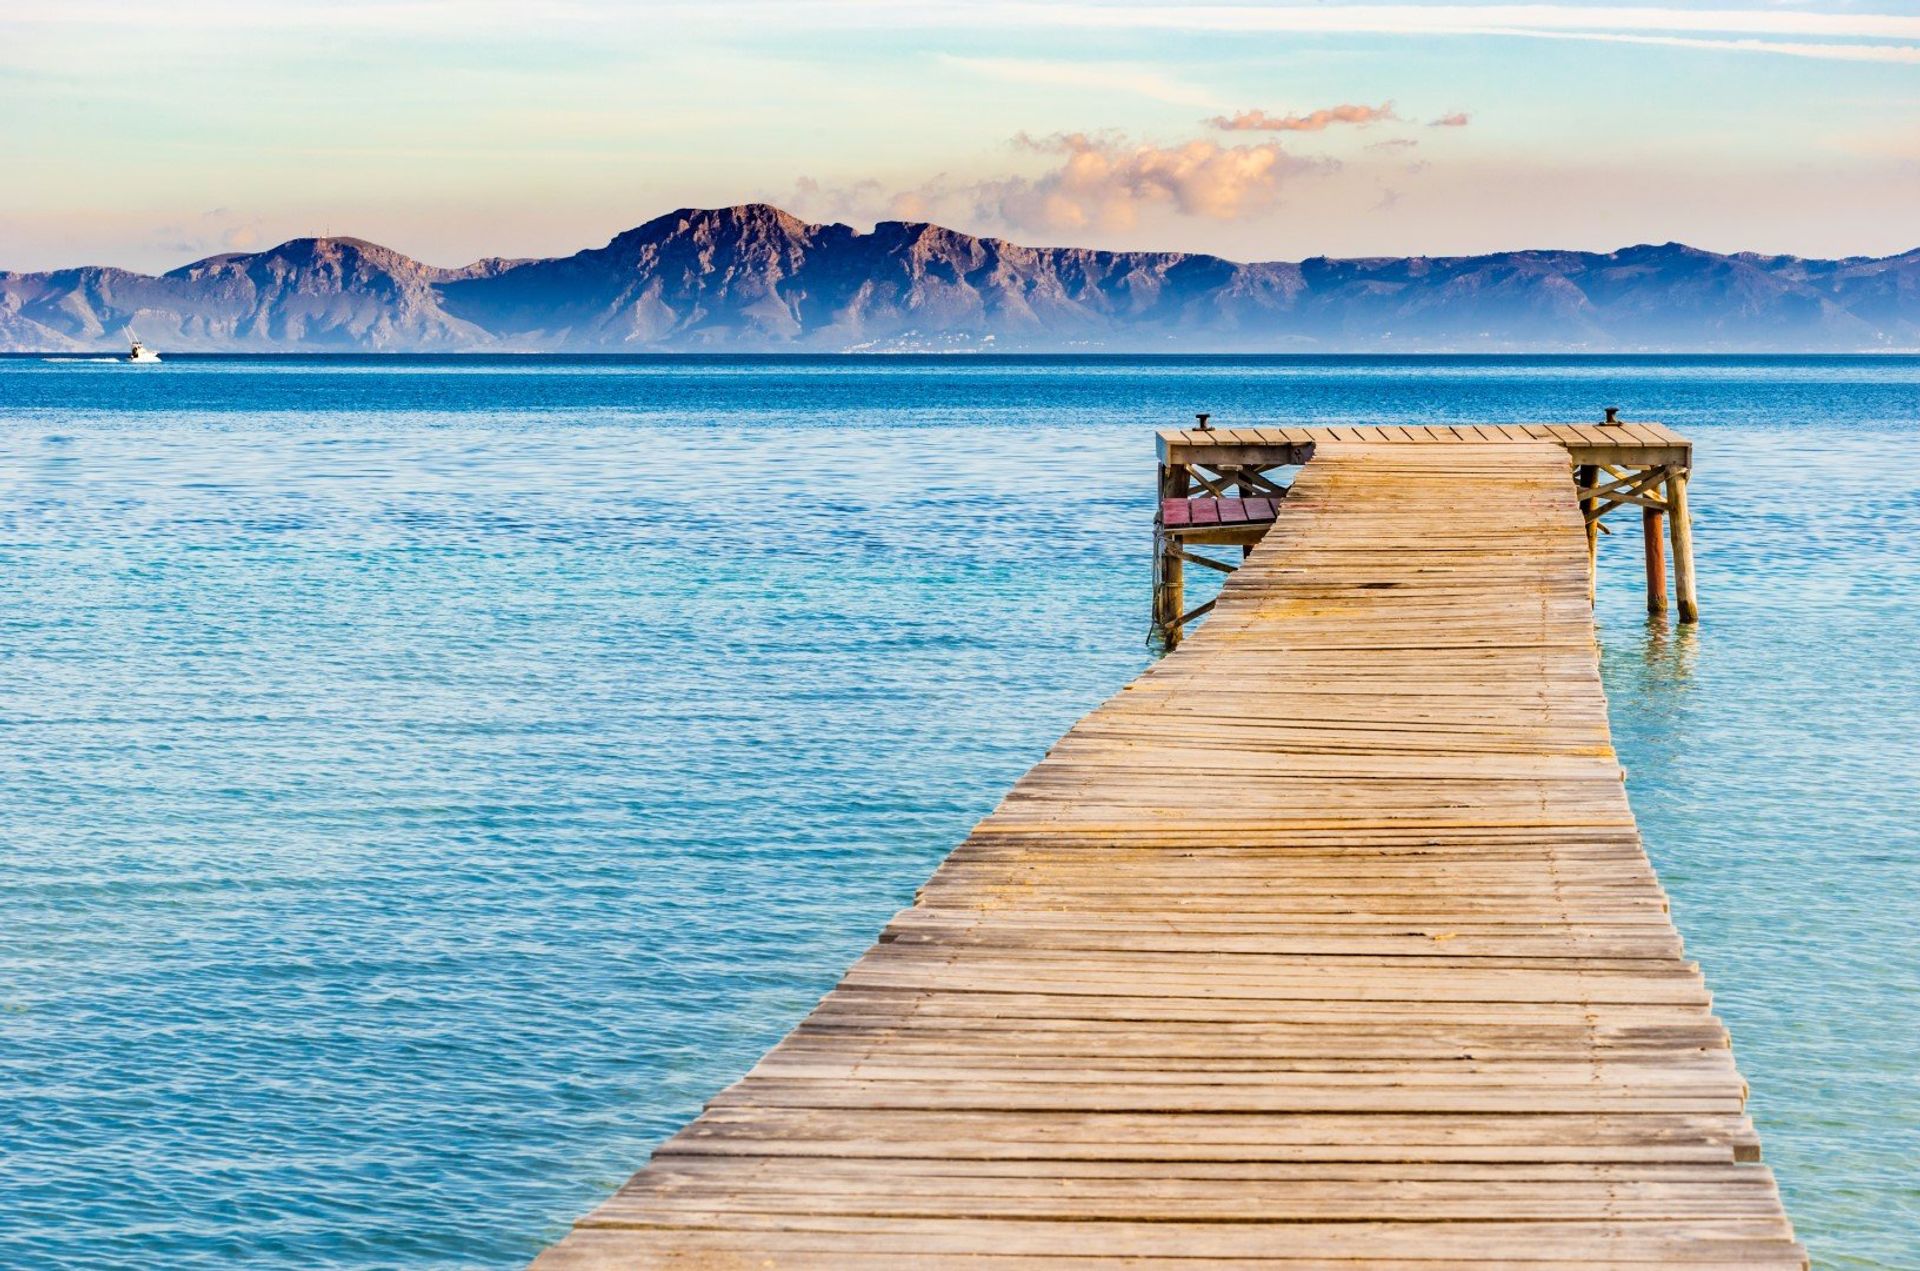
(423, 781)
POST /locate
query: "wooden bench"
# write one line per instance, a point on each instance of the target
(1179, 514)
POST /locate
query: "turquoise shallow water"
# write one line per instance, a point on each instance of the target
(425, 780)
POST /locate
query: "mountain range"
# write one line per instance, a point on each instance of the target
(756, 279)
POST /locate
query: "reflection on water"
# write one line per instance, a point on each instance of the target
(1670, 648)
(427, 781)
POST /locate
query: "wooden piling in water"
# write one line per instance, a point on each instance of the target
(1653, 532)
(1586, 476)
(1169, 570)
(1680, 526)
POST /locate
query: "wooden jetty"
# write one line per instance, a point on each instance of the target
(1327, 943)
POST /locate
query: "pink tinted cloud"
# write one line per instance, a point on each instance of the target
(1109, 181)
(1090, 181)
(1314, 121)
(1458, 119)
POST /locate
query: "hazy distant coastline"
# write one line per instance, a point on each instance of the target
(756, 279)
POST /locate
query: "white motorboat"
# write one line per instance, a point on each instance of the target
(140, 352)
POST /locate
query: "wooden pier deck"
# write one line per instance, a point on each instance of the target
(1329, 942)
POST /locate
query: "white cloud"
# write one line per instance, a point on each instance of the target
(1785, 30)
(1899, 53)
(1783, 20)
(341, 16)
(1417, 19)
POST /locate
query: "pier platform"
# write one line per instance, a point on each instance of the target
(1222, 486)
(1328, 942)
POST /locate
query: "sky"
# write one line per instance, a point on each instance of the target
(147, 136)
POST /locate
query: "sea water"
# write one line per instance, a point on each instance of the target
(423, 781)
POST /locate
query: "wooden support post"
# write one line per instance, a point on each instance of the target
(1680, 526)
(1652, 529)
(1169, 571)
(1159, 581)
(1586, 476)
(1169, 590)
(1246, 489)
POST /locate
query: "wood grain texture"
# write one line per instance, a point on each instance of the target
(1328, 942)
